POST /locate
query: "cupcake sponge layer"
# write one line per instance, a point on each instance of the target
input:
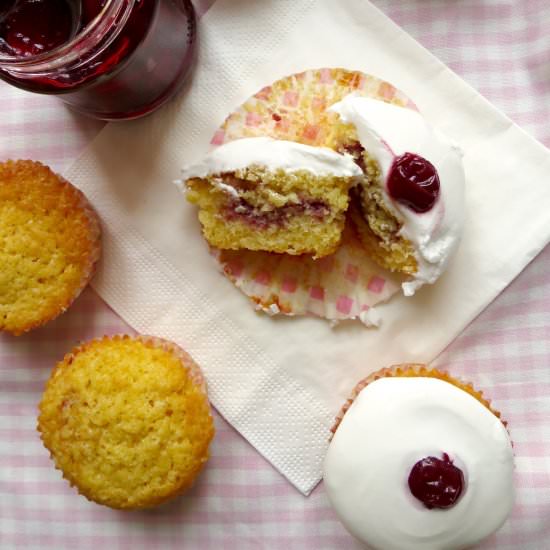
(49, 244)
(127, 421)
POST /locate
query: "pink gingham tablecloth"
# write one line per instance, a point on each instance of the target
(502, 48)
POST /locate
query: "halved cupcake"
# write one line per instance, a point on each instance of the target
(409, 209)
(272, 195)
(419, 460)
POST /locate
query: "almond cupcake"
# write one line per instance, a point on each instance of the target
(127, 420)
(49, 245)
(419, 460)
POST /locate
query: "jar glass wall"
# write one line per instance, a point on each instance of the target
(125, 59)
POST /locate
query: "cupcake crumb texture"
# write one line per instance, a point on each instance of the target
(49, 244)
(127, 421)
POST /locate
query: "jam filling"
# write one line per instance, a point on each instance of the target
(356, 150)
(413, 181)
(241, 210)
(436, 482)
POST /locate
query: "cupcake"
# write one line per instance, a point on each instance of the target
(404, 214)
(127, 420)
(409, 208)
(272, 195)
(49, 245)
(419, 460)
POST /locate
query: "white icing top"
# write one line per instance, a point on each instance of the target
(273, 154)
(392, 424)
(387, 131)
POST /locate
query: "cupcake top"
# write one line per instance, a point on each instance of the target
(419, 463)
(274, 155)
(421, 179)
(49, 245)
(127, 420)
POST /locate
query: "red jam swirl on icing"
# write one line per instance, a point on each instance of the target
(413, 181)
(436, 482)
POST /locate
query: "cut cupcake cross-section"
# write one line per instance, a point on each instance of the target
(409, 209)
(272, 195)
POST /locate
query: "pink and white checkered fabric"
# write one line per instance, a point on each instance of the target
(502, 48)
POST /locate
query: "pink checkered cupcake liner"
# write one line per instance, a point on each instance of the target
(346, 284)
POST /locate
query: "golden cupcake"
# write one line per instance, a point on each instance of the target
(127, 420)
(49, 245)
(419, 460)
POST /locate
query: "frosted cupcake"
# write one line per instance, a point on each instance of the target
(272, 195)
(404, 215)
(409, 209)
(127, 420)
(419, 461)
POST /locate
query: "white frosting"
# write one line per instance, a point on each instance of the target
(272, 154)
(387, 131)
(392, 424)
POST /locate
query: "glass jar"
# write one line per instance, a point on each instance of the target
(125, 63)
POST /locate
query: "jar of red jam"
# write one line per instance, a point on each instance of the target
(110, 59)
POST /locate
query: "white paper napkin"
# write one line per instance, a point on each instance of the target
(281, 381)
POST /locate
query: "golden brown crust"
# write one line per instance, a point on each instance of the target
(50, 242)
(413, 370)
(127, 420)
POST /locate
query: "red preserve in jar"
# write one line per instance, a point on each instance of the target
(111, 59)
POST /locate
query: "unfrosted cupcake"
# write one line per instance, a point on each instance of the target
(419, 461)
(49, 245)
(127, 420)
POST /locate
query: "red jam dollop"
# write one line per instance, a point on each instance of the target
(436, 482)
(413, 181)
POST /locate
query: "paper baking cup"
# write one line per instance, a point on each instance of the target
(413, 370)
(346, 284)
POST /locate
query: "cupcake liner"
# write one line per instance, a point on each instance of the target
(346, 284)
(413, 370)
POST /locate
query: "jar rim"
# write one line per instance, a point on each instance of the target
(103, 29)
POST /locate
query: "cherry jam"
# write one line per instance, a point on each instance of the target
(32, 27)
(110, 59)
(436, 482)
(413, 181)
